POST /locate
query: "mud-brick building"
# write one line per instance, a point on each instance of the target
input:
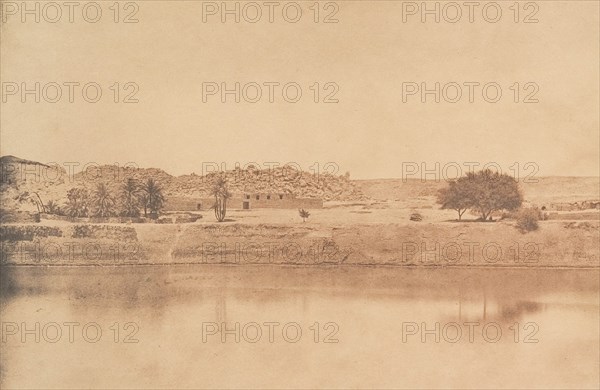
(584, 205)
(245, 201)
(275, 201)
(187, 203)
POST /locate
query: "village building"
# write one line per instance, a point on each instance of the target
(275, 201)
(573, 206)
(245, 201)
(187, 203)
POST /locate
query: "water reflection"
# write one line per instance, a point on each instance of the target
(369, 305)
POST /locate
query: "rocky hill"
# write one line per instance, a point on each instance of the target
(24, 180)
(279, 180)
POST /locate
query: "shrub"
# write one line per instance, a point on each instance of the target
(417, 217)
(27, 233)
(81, 231)
(527, 220)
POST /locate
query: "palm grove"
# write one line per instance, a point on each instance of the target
(133, 199)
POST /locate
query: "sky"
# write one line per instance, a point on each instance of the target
(365, 61)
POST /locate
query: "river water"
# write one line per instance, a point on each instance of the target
(211, 326)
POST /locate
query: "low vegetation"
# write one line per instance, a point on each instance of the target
(416, 217)
(527, 219)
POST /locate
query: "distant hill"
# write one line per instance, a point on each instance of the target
(545, 190)
(397, 189)
(562, 188)
(16, 160)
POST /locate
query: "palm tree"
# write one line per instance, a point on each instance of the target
(221, 194)
(103, 201)
(77, 204)
(52, 207)
(144, 202)
(303, 214)
(154, 198)
(130, 198)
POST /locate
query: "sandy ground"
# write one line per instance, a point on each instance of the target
(374, 233)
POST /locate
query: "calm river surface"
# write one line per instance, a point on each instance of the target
(337, 327)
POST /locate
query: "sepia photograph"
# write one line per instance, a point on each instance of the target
(308, 194)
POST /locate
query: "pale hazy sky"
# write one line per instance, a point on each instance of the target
(170, 52)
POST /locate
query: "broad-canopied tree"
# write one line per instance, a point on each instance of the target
(484, 192)
(456, 196)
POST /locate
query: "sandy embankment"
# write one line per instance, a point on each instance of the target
(555, 244)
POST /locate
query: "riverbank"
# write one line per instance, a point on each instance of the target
(440, 244)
